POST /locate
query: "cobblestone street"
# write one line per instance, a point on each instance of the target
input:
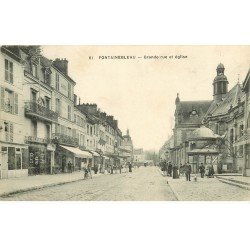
(143, 184)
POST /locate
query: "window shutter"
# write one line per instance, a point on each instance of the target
(2, 98)
(11, 72)
(74, 133)
(11, 131)
(16, 104)
(6, 70)
(7, 129)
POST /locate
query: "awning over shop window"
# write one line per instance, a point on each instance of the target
(78, 152)
(94, 153)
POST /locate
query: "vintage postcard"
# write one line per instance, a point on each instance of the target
(124, 123)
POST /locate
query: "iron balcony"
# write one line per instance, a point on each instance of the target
(35, 110)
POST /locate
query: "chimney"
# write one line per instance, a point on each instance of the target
(62, 65)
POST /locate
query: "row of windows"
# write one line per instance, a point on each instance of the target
(32, 68)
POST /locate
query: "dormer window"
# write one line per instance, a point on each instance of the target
(47, 76)
(193, 113)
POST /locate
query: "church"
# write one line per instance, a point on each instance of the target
(211, 131)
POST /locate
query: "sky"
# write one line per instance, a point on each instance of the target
(140, 93)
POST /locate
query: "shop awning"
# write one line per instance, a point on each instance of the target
(94, 153)
(78, 152)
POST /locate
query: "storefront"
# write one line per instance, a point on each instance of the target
(13, 160)
(97, 160)
(39, 160)
(65, 155)
(203, 156)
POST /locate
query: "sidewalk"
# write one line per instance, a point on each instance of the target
(210, 189)
(23, 184)
(239, 181)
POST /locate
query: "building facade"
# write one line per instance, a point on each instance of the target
(226, 118)
(246, 135)
(13, 149)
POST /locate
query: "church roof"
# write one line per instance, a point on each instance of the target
(187, 107)
(231, 99)
(246, 81)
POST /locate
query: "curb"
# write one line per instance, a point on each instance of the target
(235, 181)
(172, 189)
(234, 184)
(6, 194)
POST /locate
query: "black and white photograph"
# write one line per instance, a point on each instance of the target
(125, 123)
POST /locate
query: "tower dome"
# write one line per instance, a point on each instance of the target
(220, 66)
(220, 83)
(203, 133)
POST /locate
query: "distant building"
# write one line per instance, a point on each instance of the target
(166, 149)
(128, 146)
(139, 156)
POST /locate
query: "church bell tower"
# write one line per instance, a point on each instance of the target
(220, 83)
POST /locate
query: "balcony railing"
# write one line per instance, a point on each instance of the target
(36, 139)
(65, 139)
(34, 109)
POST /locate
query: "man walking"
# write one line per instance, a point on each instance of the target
(170, 169)
(70, 166)
(130, 167)
(202, 170)
(188, 172)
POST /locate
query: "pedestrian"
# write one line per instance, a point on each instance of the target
(202, 170)
(86, 172)
(211, 171)
(188, 172)
(207, 170)
(182, 170)
(95, 169)
(175, 172)
(70, 166)
(170, 168)
(130, 167)
(89, 169)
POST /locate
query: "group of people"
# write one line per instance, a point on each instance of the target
(175, 172)
(207, 170)
(111, 168)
